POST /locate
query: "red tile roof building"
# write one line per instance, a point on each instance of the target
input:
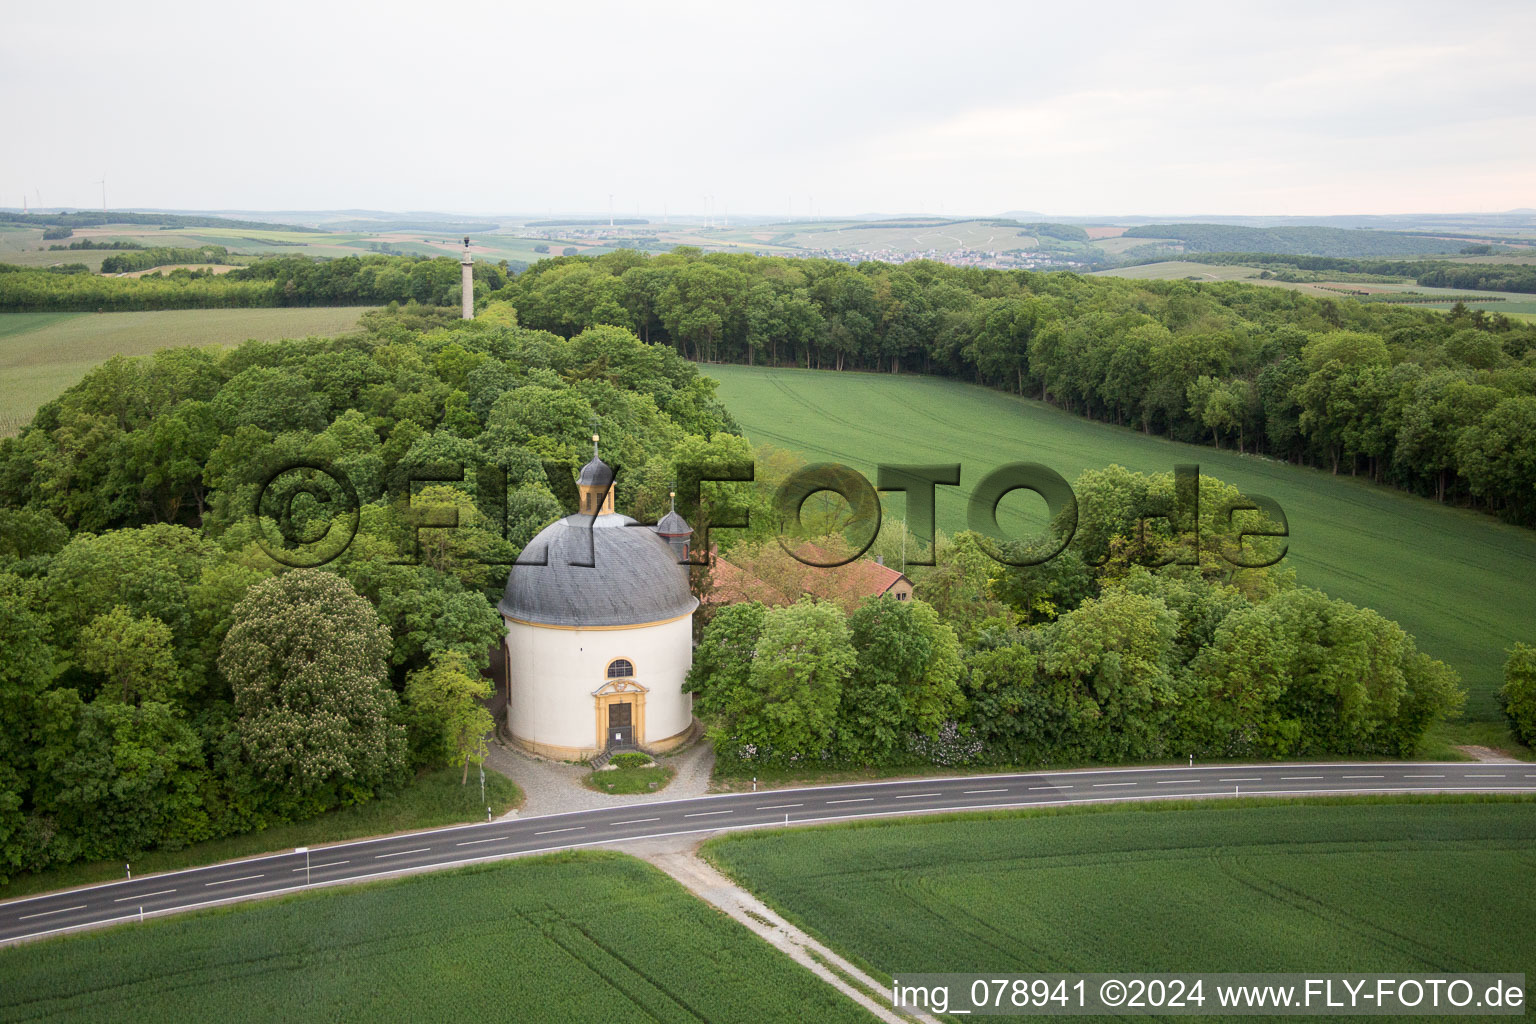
(848, 585)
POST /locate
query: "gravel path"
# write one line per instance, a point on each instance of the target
(1488, 755)
(554, 787)
(681, 861)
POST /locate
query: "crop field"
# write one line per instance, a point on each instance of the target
(1459, 581)
(1314, 886)
(594, 937)
(1178, 270)
(41, 354)
(1117, 245)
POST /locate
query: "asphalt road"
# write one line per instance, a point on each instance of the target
(465, 844)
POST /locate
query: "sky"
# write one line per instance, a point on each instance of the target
(776, 109)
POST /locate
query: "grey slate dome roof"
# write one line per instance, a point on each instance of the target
(633, 578)
(596, 473)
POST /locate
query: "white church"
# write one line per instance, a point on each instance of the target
(600, 631)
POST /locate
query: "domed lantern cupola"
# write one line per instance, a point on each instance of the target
(674, 529)
(595, 484)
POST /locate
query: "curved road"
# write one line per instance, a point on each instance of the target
(465, 844)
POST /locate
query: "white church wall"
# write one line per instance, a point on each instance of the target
(554, 671)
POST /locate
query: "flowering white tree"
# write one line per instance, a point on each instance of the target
(306, 660)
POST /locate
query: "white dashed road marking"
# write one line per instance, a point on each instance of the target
(144, 896)
(46, 913)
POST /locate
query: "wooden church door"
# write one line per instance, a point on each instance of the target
(621, 729)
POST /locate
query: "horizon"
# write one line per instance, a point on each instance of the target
(769, 218)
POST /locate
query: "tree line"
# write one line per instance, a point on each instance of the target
(99, 218)
(1494, 277)
(96, 243)
(1440, 405)
(274, 281)
(163, 256)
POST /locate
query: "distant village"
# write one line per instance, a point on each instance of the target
(621, 236)
(1009, 259)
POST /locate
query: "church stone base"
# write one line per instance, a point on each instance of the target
(558, 753)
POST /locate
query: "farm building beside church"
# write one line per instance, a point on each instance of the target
(599, 631)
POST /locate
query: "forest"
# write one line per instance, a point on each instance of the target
(190, 656)
(168, 680)
(1442, 405)
(1306, 241)
(1126, 647)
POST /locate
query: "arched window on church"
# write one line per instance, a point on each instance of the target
(620, 668)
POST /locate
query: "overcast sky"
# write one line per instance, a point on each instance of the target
(502, 107)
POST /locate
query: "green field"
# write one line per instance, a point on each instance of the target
(1459, 581)
(594, 937)
(1239, 886)
(1178, 270)
(41, 354)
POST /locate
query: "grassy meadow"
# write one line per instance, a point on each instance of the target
(1459, 581)
(41, 354)
(574, 937)
(1337, 885)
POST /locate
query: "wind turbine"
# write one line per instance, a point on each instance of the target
(103, 184)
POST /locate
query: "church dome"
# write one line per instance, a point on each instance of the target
(596, 473)
(634, 577)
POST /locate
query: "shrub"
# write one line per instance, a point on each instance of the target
(1519, 693)
(630, 759)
